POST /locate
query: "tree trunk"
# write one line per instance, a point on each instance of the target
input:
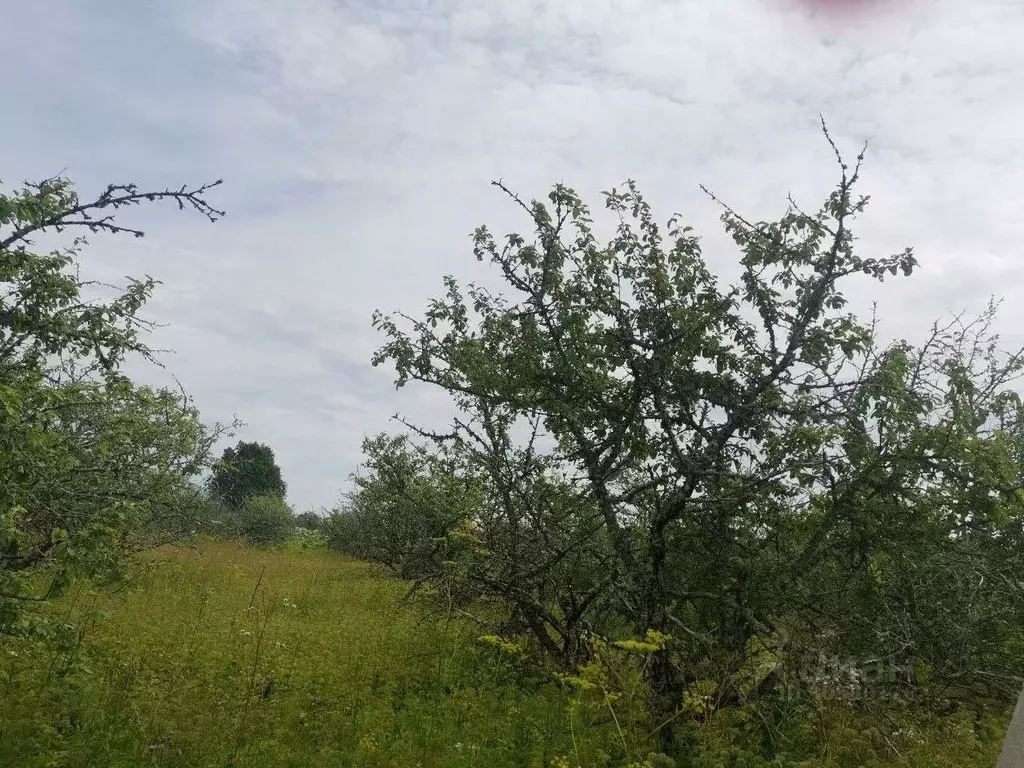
(664, 698)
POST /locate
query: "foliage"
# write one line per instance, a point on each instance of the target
(404, 503)
(265, 520)
(309, 520)
(224, 654)
(248, 469)
(734, 467)
(305, 539)
(91, 465)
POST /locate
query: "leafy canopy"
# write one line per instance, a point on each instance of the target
(247, 470)
(736, 467)
(91, 465)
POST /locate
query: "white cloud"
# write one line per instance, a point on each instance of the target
(357, 142)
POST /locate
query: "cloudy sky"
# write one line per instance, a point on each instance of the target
(357, 141)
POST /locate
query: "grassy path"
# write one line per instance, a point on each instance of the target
(232, 656)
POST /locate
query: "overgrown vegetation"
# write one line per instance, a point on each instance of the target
(674, 522)
(247, 470)
(747, 472)
(404, 503)
(246, 497)
(230, 655)
(92, 466)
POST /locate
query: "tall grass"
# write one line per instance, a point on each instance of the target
(224, 655)
(228, 655)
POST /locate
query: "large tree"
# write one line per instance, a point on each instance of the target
(91, 465)
(247, 470)
(738, 467)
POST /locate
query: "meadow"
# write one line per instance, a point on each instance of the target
(230, 655)
(221, 654)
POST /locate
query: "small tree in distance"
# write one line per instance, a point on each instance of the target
(247, 470)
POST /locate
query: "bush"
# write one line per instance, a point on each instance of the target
(406, 500)
(311, 521)
(265, 521)
(347, 533)
(211, 517)
(304, 539)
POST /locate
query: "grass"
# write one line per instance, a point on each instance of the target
(225, 655)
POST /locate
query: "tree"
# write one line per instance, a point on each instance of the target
(733, 460)
(247, 470)
(91, 465)
(405, 501)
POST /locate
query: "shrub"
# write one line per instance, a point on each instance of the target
(406, 500)
(305, 539)
(265, 520)
(311, 521)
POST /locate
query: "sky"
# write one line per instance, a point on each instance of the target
(357, 141)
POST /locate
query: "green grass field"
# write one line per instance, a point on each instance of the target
(226, 655)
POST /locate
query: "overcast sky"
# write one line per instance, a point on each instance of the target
(357, 140)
